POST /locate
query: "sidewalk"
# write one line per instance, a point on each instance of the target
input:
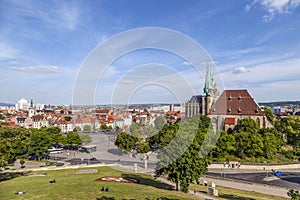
(259, 188)
(201, 195)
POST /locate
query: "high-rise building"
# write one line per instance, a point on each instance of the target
(22, 104)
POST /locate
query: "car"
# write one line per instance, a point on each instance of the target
(278, 173)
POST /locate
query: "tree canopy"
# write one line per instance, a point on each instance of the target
(182, 159)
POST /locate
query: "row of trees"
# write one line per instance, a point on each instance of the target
(180, 157)
(89, 128)
(181, 152)
(249, 141)
(18, 142)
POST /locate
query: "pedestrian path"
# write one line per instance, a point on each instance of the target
(259, 188)
(201, 195)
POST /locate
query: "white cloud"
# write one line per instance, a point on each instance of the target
(61, 14)
(40, 69)
(273, 7)
(7, 51)
(266, 73)
(14, 62)
(186, 63)
(240, 70)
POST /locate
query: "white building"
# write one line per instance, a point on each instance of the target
(22, 104)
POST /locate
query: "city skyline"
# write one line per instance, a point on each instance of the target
(254, 45)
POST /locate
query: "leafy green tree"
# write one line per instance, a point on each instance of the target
(85, 138)
(181, 160)
(54, 134)
(73, 139)
(159, 123)
(103, 127)
(290, 126)
(125, 141)
(225, 146)
(77, 129)
(142, 147)
(272, 142)
(40, 142)
(68, 118)
(294, 194)
(22, 162)
(248, 125)
(164, 136)
(269, 114)
(14, 141)
(87, 128)
(249, 144)
(142, 131)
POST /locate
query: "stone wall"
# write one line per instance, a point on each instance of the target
(256, 166)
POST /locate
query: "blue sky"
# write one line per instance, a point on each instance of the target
(255, 44)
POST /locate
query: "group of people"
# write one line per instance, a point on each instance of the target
(52, 181)
(104, 189)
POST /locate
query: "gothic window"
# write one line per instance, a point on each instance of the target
(229, 131)
(258, 121)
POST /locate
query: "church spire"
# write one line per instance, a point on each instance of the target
(208, 81)
(31, 104)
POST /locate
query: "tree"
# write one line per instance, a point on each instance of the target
(294, 194)
(40, 142)
(272, 142)
(125, 141)
(14, 142)
(269, 114)
(87, 128)
(73, 139)
(77, 129)
(68, 118)
(142, 131)
(103, 127)
(22, 162)
(159, 123)
(54, 135)
(185, 165)
(142, 147)
(225, 146)
(248, 144)
(85, 138)
(247, 125)
(291, 127)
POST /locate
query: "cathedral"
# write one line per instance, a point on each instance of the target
(225, 109)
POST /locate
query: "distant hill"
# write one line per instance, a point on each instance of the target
(280, 103)
(6, 104)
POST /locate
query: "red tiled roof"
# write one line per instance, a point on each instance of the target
(235, 102)
(230, 120)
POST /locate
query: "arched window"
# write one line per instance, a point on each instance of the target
(258, 121)
(229, 131)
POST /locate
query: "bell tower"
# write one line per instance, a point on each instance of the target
(31, 111)
(210, 91)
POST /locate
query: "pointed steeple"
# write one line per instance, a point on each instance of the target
(31, 104)
(208, 81)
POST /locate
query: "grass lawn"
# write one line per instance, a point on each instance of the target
(70, 185)
(232, 194)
